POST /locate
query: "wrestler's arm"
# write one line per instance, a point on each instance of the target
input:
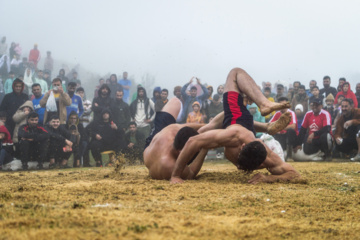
(196, 165)
(195, 126)
(281, 171)
(216, 123)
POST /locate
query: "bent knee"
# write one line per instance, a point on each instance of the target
(237, 70)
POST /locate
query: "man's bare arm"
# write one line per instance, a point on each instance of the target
(196, 165)
(216, 123)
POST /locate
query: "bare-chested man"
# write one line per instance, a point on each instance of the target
(241, 147)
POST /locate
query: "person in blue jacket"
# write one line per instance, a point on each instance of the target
(76, 101)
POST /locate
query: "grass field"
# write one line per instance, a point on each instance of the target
(94, 203)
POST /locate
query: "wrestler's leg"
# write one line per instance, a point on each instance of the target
(274, 127)
(239, 80)
(173, 107)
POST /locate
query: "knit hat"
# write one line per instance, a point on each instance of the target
(330, 97)
(300, 107)
(196, 102)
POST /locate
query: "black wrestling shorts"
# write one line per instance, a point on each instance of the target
(235, 112)
(162, 120)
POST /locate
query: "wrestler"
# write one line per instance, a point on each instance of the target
(237, 136)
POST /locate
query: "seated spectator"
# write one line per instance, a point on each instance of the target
(315, 94)
(210, 92)
(62, 100)
(315, 132)
(215, 106)
(347, 93)
(105, 136)
(280, 93)
(292, 93)
(37, 96)
(329, 107)
(6, 146)
(9, 82)
(253, 109)
(121, 111)
(267, 94)
(347, 129)
(60, 144)
(79, 133)
(102, 102)
(160, 103)
(299, 112)
(86, 117)
(33, 141)
(219, 91)
(76, 101)
(134, 142)
(195, 116)
(20, 118)
(342, 80)
(300, 98)
(287, 136)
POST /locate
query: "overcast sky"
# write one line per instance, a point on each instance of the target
(175, 40)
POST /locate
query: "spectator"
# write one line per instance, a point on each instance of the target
(3, 47)
(9, 82)
(160, 103)
(347, 93)
(287, 136)
(220, 90)
(102, 102)
(210, 92)
(74, 78)
(315, 94)
(114, 85)
(6, 146)
(215, 107)
(12, 101)
(101, 82)
(63, 78)
(268, 84)
(126, 84)
(33, 141)
(28, 80)
(140, 110)
(78, 131)
(60, 143)
(121, 111)
(253, 109)
(12, 52)
(37, 92)
(327, 88)
(300, 98)
(357, 93)
(85, 118)
(20, 118)
(4, 67)
(156, 94)
(34, 55)
(195, 116)
(3, 118)
(47, 78)
(23, 66)
(105, 136)
(280, 92)
(329, 107)
(76, 101)
(312, 84)
(39, 79)
(341, 82)
(14, 64)
(177, 93)
(62, 100)
(267, 94)
(190, 99)
(315, 131)
(134, 142)
(299, 112)
(347, 129)
(48, 64)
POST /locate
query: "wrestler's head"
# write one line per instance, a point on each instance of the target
(251, 156)
(183, 136)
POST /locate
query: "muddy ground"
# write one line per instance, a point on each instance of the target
(97, 203)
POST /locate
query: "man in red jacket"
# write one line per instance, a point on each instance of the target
(34, 55)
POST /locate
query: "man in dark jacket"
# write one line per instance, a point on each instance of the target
(12, 101)
(135, 142)
(6, 146)
(121, 111)
(327, 88)
(33, 141)
(102, 102)
(61, 142)
(105, 136)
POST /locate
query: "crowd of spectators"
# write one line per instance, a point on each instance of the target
(47, 118)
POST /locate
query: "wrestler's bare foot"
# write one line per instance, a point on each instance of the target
(273, 107)
(280, 124)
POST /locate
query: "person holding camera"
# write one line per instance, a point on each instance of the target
(55, 102)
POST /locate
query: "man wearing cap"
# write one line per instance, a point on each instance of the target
(34, 55)
(315, 132)
(280, 92)
(190, 99)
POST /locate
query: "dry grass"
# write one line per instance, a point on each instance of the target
(100, 204)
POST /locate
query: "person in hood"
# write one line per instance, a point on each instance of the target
(12, 102)
(34, 55)
(347, 93)
(6, 146)
(20, 118)
(253, 109)
(140, 110)
(114, 85)
(33, 141)
(63, 77)
(106, 136)
(156, 94)
(102, 102)
(76, 101)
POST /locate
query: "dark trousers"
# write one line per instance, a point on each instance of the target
(56, 151)
(317, 144)
(33, 150)
(349, 143)
(288, 138)
(97, 147)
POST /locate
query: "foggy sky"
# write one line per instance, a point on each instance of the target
(175, 40)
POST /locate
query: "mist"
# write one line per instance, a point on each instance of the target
(171, 41)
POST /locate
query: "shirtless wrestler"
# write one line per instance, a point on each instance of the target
(237, 136)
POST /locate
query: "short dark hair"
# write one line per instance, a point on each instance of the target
(302, 87)
(193, 87)
(80, 89)
(342, 79)
(283, 99)
(314, 87)
(55, 116)
(326, 77)
(35, 85)
(33, 115)
(267, 89)
(252, 156)
(56, 80)
(72, 84)
(165, 90)
(349, 100)
(132, 123)
(183, 136)
(297, 82)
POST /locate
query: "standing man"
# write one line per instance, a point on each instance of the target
(160, 103)
(76, 101)
(121, 111)
(34, 55)
(48, 63)
(3, 46)
(126, 84)
(327, 88)
(37, 92)
(114, 85)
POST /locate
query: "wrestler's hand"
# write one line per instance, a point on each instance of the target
(176, 180)
(258, 178)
